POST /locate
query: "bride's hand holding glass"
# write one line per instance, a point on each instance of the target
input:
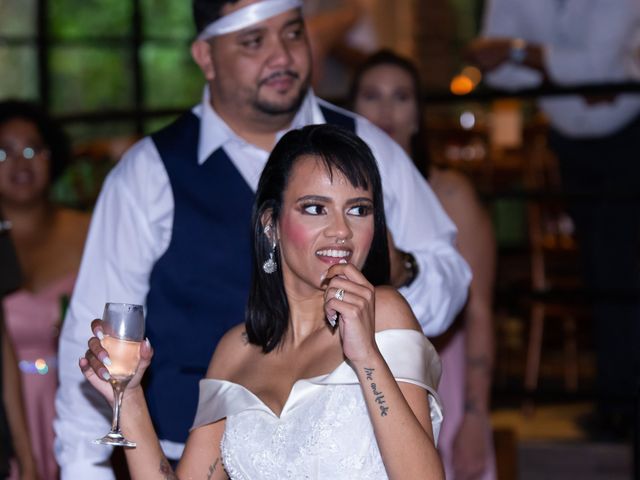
(97, 373)
(115, 366)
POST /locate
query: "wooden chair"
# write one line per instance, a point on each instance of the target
(555, 277)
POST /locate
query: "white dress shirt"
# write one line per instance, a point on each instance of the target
(584, 42)
(131, 228)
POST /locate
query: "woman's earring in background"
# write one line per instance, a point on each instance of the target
(270, 265)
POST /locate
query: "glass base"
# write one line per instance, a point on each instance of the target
(115, 439)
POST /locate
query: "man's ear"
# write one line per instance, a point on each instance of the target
(201, 53)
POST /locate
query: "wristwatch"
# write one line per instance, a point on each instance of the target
(518, 50)
(410, 264)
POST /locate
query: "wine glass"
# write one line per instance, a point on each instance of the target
(123, 328)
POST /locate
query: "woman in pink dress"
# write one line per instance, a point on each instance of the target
(386, 91)
(48, 241)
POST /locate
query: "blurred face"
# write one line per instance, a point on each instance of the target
(264, 68)
(322, 221)
(387, 98)
(24, 163)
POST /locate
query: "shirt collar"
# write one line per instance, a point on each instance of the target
(214, 132)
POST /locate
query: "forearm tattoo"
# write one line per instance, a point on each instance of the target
(166, 470)
(212, 468)
(479, 363)
(377, 395)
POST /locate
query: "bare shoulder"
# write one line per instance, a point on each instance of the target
(460, 200)
(451, 185)
(74, 223)
(231, 352)
(393, 311)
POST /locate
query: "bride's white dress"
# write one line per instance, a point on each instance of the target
(324, 430)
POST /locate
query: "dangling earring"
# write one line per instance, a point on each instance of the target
(270, 265)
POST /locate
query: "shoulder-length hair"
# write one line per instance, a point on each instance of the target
(267, 314)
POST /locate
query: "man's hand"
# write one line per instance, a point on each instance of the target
(488, 53)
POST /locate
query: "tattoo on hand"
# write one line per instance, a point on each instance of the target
(166, 470)
(379, 396)
(212, 468)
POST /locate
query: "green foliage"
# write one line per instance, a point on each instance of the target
(156, 124)
(17, 18)
(171, 77)
(167, 19)
(90, 78)
(19, 80)
(89, 18)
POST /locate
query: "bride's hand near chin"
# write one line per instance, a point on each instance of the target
(94, 368)
(356, 311)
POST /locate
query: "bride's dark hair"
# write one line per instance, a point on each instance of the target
(267, 314)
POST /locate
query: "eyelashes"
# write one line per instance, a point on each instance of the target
(360, 210)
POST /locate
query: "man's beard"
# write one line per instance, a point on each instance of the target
(278, 108)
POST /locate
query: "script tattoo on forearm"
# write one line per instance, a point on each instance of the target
(377, 395)
(212, 468)
(479, 364)
(166, 470)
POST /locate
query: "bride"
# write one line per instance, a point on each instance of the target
(329, 376)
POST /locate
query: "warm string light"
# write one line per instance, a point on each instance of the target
(466, 81)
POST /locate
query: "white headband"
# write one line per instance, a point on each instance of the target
(246, 16)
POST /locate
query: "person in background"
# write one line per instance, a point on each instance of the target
(48, 240)
(386, 90)
(181, 201)
(14, 432)
(596, 139)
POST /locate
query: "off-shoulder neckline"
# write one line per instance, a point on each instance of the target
(318, 379)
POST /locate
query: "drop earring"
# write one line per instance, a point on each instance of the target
(270, 265)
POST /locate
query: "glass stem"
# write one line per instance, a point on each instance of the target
(118, 393)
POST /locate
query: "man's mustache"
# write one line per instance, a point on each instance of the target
(283, 73)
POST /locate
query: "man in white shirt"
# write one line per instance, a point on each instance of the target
(596, 139)
(169, 226)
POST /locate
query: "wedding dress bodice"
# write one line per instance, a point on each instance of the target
(324, 430)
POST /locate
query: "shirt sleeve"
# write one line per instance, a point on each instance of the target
(130, 229)
(603, 57)
(502, 19)
(419, 225)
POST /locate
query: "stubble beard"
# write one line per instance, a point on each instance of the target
(280, 108)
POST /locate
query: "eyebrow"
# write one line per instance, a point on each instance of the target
(260, 29)
(320, 198)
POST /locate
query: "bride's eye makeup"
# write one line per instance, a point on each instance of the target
(361, 210)
(312, 208)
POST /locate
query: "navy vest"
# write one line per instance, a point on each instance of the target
(199, 286)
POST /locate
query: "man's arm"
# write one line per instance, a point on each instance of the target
(602, 57)
(420, 226)
(122, 245)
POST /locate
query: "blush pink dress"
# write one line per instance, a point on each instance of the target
(33, 322)
(452, 395)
